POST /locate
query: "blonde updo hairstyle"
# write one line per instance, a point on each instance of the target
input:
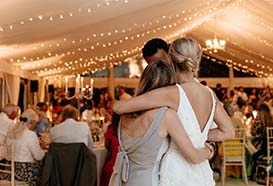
(29, 117)
(186, 55)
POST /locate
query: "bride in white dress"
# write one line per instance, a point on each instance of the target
(175, 169)
(198, 109)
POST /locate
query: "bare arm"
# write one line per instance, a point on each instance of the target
(165, 96)
(225, 129)
(173, 126)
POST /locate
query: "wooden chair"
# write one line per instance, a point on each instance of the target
(266, 162)
(7, 166)
(234, 154)
(6, 153)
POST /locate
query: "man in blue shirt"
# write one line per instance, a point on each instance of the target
(43, 123)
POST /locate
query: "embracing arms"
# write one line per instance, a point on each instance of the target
(169, 96)
(225, 128)
(165, 96)
(172, 126)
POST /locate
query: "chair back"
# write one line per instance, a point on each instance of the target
(234, 153)
(7, 161)
(69, 164)
(234, 149)
(264, 164)
(269, 135)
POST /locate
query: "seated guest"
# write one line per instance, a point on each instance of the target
(230, 107)
(43, 124)
(27, 151)
(8, 114)
(258, 131)
(71, 130)
(111, 144)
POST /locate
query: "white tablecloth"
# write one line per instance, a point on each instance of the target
(100, 152)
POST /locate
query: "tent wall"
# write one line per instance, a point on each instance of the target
(132, 83)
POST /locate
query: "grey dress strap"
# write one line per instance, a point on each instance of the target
(121, 168)
(150, 130)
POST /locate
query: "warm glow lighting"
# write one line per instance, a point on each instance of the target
(80, 90)
(248, 121)
(215, 44)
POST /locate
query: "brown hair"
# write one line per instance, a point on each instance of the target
(155, 75)
(264, 115)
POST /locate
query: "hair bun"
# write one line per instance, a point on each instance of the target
(23, 119)
(191, 63)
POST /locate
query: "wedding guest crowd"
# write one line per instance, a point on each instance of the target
(33, 132)
(27, 150)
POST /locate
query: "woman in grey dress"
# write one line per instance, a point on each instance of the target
(143, 136)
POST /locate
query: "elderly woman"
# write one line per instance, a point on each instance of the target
(27, 150)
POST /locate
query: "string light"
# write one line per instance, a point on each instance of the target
(109, 44)
(259, 55)
(58, 16)
(177, 19)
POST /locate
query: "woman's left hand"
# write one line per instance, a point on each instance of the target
(45, 140)
(211, 149)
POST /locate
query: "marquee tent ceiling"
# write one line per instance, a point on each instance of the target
(64, 37)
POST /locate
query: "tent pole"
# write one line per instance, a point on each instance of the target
(111, 81)
(231, 78)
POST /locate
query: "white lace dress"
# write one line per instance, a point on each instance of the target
(175, 170)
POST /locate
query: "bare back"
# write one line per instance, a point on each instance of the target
(201, 101)
(131, 126)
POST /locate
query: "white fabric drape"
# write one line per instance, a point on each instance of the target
(12, 87)
(41, 90)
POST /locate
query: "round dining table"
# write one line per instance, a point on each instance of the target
(100, 151)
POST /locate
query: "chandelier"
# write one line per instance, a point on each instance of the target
(80, 91)
(215, 44)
